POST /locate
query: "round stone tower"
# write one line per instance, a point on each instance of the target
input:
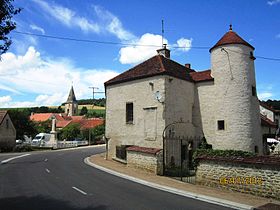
(237, 114)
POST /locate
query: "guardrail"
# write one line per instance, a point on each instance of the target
(60, 144)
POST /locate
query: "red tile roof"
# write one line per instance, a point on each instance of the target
(62, 123)
(91, 123)
(40, 117)
(231, 37)
(157, 65)
(2, 115)
(201, 76)
(143, 149)
(267, 122)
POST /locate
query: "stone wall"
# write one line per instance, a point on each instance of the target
(7, 133)
(148, 159)
(258, 176)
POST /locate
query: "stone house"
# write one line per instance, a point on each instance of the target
(7, 131)
(270, 119)
(220, 103)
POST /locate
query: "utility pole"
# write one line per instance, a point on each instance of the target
(93, 92)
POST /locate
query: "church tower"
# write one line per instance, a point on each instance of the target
(237, 114)
(71, 105)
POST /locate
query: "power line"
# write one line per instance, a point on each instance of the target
(99, 42)
(129, 44)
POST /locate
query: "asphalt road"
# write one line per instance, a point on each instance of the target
(60, 180)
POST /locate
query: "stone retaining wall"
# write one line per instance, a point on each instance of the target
(145, 158)
(257, 178)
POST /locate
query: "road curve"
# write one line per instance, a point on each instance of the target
(60, 180)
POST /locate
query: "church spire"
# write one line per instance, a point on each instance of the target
(71, 97)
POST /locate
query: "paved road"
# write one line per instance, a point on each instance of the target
(61, 180)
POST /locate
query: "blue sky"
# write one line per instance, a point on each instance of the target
(39, 71)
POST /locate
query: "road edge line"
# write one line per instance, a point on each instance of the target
(209, 199)
(13, 158)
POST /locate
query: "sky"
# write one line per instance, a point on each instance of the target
(59, 43)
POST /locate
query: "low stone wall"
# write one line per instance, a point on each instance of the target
(145, 158)
(258, 175)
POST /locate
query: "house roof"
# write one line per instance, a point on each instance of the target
(157, 65)
(62, 123)
(71, 96)
(201, 76)
(91, 123)
(263, 104)
(2, 115)
(267, 122)
(231, 37)
(40, 117)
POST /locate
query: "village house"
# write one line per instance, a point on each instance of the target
(69, 116)
(220, 103)
(7, 131)
(270, 119)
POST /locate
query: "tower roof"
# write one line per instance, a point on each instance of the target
(71, 97)
(231, 37)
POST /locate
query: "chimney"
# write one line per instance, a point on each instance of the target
(164, 51)
(188, 65)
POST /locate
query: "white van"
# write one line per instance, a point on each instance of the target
(41, 139)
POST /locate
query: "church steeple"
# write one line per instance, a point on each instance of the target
(71, 97)
(71, 105)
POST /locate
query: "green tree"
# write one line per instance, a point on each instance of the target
(22, 123)
(84, 111)
(70, 132)
(43, 127)
(7, 11)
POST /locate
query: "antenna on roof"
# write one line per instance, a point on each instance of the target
(162, 31)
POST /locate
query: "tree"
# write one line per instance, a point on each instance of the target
(7, 11)
(22, 123)
(84, 111)
(71, 131)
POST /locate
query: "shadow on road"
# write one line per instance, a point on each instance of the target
(40, 203)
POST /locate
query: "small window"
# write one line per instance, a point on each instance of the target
(254, 91)
(129, 113)
(221, 125)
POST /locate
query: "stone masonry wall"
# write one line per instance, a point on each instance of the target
(146, 161)
(257, 179)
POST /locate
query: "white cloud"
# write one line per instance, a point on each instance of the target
(144, 48)
(147, 46)
(4, 101)
(37, 28)
(68, 17)
(264, 95)
(184, 44)
(49, 80)
(113, 24)
(273, 2)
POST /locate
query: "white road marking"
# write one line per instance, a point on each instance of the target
(8, 160)
(47, 170)
(46, 160)
(80, 191)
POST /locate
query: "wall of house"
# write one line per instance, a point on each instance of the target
(234, 103)
(7, 133)
(179, 106)
(266, 112)
(148, 120)
(261, 180)
(204, 110)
